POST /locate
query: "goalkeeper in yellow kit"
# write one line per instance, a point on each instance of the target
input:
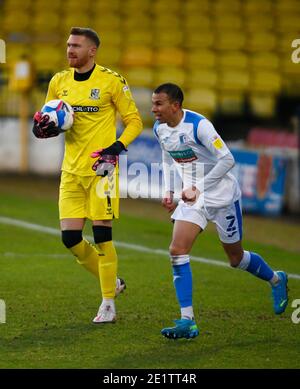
(96, 95)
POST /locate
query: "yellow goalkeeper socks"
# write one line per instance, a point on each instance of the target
(102, 264)
(87, 256)
(108, 269)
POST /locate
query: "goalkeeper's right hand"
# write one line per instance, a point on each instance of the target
(43, 127)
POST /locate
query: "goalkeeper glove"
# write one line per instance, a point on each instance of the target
(43, 127)
(108, 158)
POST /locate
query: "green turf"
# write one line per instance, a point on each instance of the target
(51, 300)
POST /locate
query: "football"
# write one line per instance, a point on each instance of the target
(60, 112)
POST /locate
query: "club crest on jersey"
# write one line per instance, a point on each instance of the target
(95, 94)
(182, 139)
(65, 93)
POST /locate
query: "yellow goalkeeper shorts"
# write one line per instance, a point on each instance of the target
(92, 197)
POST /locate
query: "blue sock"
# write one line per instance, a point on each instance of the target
(259, 268)
(183, 284)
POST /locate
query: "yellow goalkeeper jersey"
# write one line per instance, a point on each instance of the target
(96, 102)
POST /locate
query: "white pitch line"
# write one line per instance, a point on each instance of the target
(23, 255)
(130, 246)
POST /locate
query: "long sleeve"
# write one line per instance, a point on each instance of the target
(51, 94)
(133, 128)
(223, 165)
(126, 107)
(168, 171)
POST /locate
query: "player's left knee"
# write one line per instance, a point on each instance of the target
(102, 234)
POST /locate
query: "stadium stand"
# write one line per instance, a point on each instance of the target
(261, 137)
(236, 53)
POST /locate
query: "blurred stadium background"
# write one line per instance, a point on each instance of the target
(233, 60)
(231, 57)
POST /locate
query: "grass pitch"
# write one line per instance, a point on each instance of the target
(50, 300)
